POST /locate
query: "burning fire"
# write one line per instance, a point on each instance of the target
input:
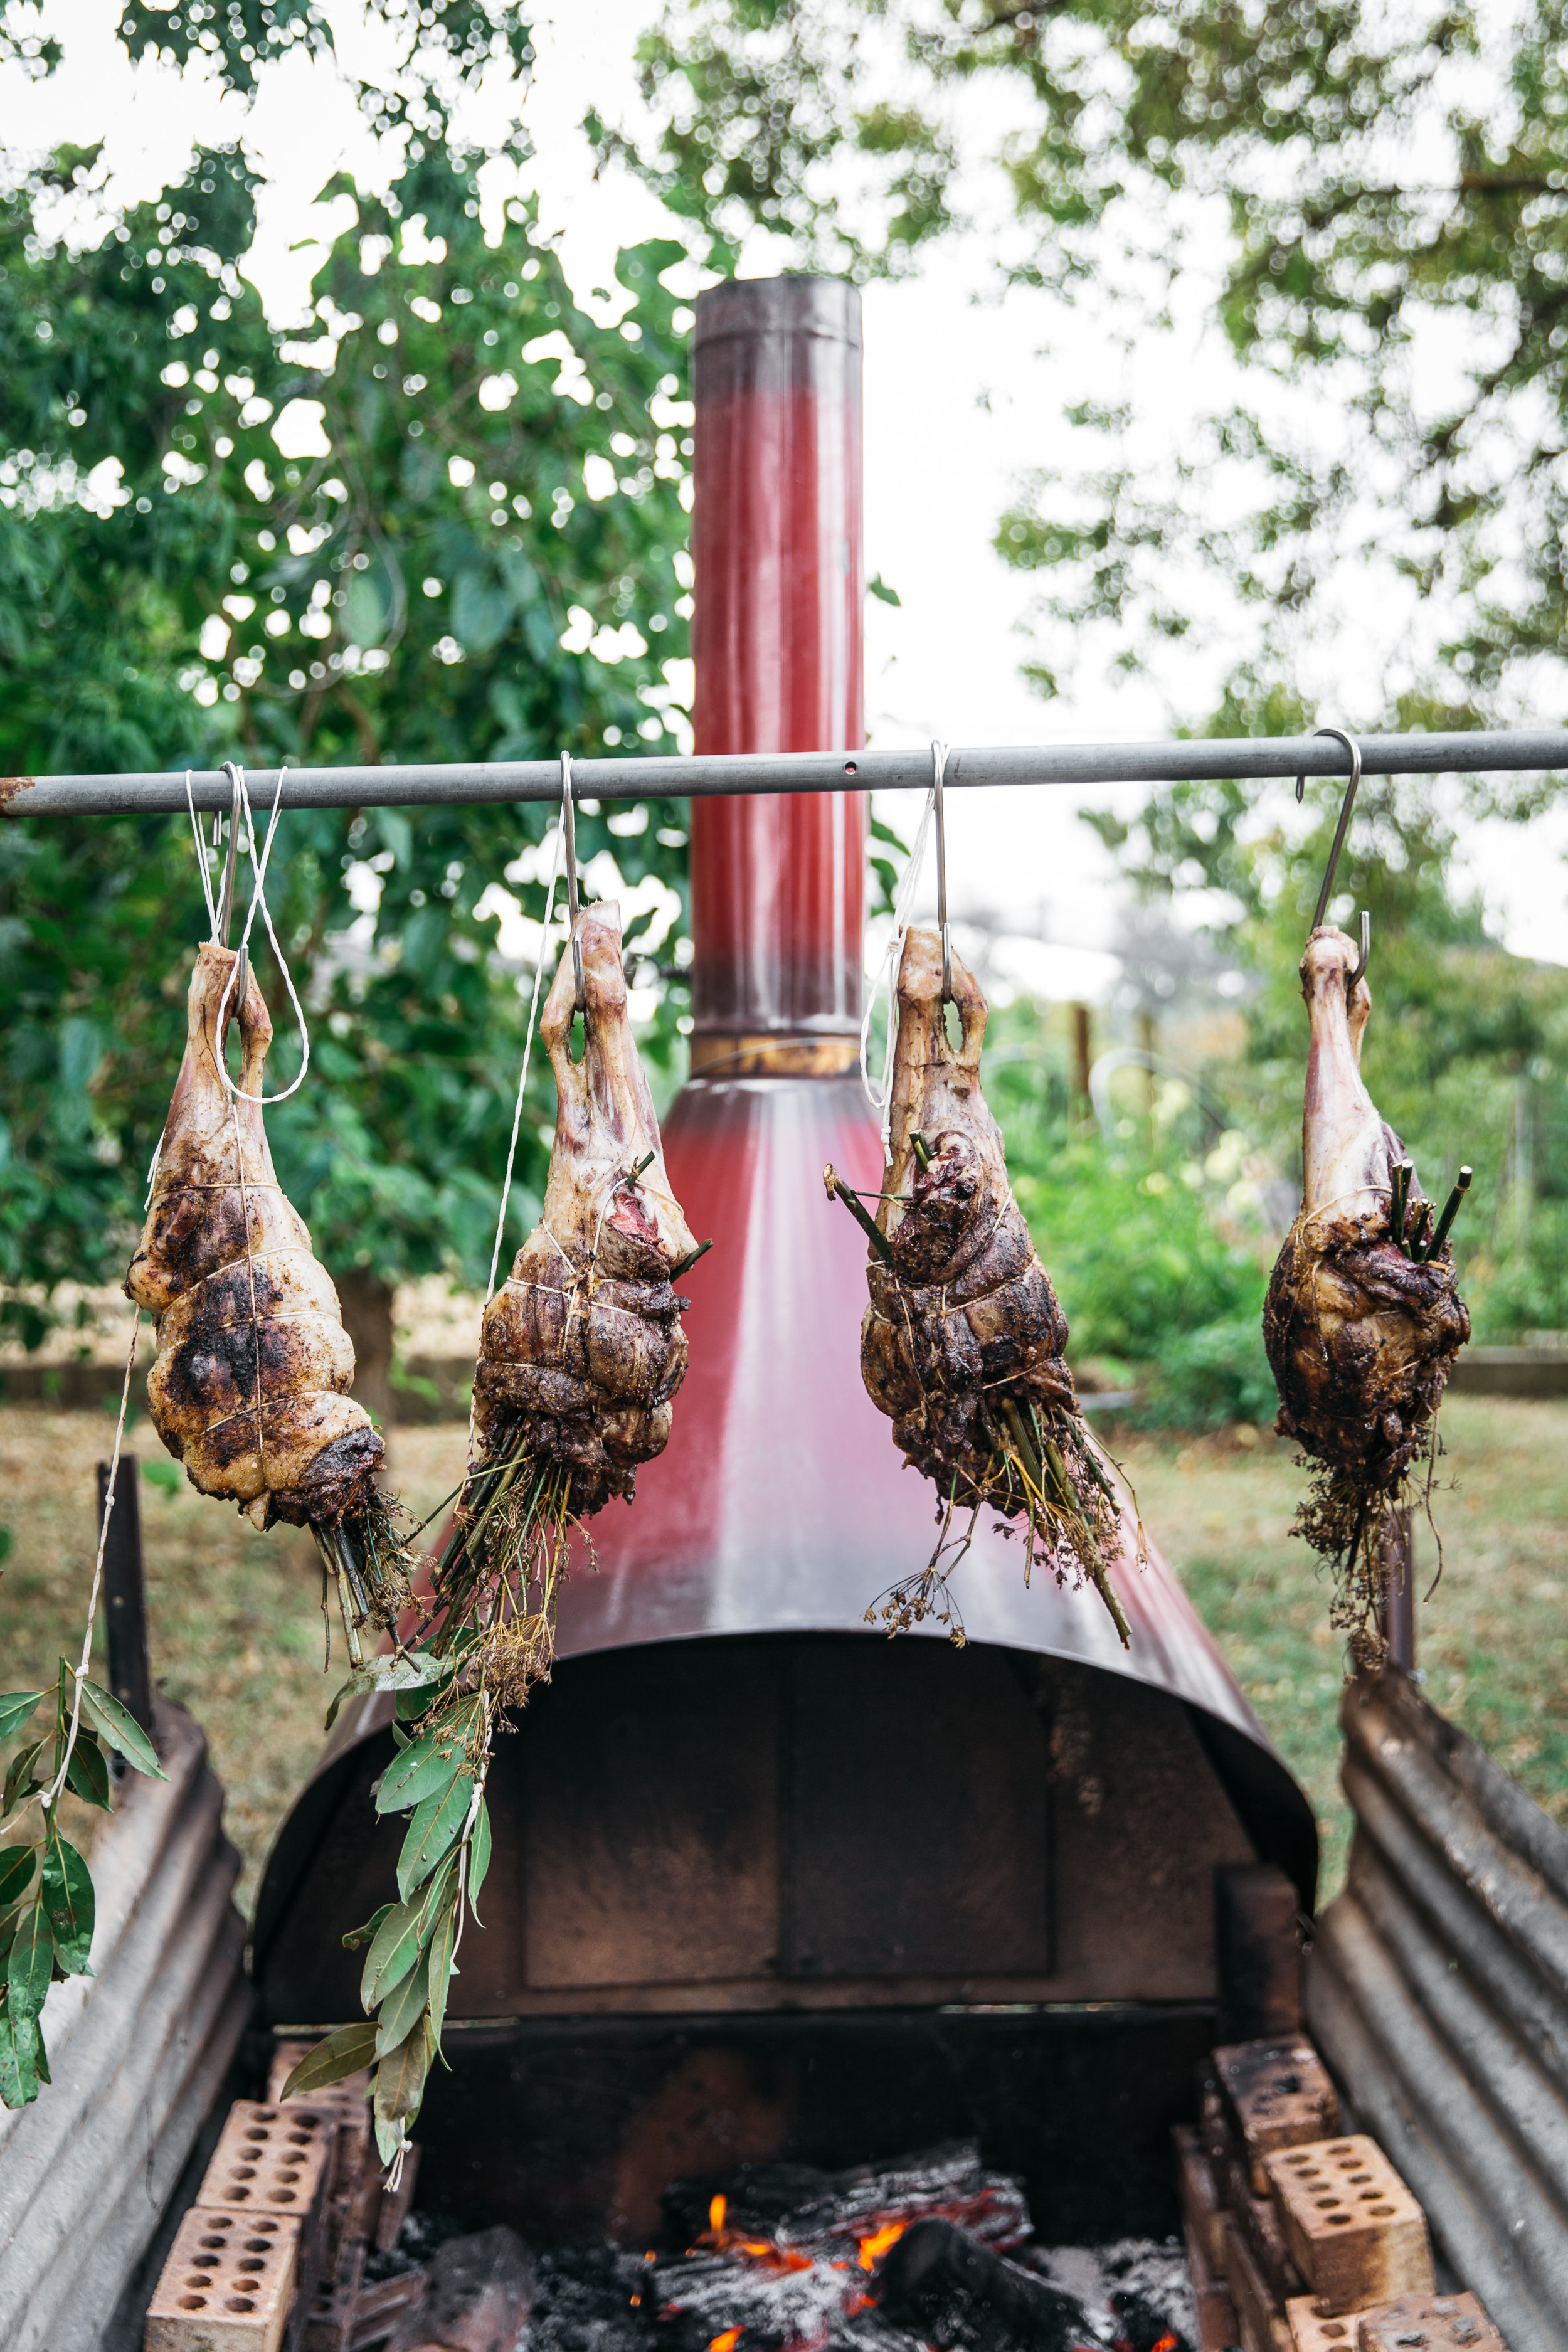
(722, 2240)
(874, 2247)
(731, 2335)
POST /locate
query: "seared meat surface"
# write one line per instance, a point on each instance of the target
(583, 1349)
(961, 1343)
(248, 1389)
(1361, 1328)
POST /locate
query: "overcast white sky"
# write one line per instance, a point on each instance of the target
(963, 395)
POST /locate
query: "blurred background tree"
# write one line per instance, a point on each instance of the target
(442, 521)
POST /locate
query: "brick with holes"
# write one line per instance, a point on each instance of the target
(1312, 2332)
(348, 2101)
(1438, 2322)
(1355, 2232)
(269, 2159)
(227, 2284)
(1277, 2093)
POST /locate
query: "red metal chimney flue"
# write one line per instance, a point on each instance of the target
(777, 880)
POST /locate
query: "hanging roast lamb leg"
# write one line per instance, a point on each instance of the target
(961, 1344)
(583, 1349)
(250, 1386)
(1363, 1317)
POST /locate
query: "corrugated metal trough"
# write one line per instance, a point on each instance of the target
(1438, 1991)
(140, 2052)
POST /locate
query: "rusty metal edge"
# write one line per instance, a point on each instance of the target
(1434, 1992)
(140, 2053)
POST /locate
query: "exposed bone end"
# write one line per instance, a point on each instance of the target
(605, 1124)
(1331, 954)
(1344, 1154)
(936, 1083)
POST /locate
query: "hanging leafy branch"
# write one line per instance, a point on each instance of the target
(47, 1907)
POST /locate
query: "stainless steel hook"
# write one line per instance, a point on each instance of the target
(569, 831)
(225, 915)
(1343, 827)
(938, 768)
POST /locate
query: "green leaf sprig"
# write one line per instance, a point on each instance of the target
(47, 1905)
(437, 1781)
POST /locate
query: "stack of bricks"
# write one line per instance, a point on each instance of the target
(1301, 2237)
(249, 2246)
(270, 2257)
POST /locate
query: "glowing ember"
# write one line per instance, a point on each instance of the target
(929, 2251)
(873, 2247)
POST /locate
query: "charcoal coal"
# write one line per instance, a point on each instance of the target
(590, 2299)
(949, 2289)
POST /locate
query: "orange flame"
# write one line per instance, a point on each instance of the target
(877, 2244)
(716, 2213)
(1167, 2343)
(731, 2335)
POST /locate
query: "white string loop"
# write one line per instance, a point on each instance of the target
(201, 857)
(527, 1051)
(881, 1098)
(259, 898)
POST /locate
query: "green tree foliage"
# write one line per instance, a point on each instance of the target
(482, 560)
(1394, 184)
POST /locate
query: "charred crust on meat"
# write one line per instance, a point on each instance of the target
(583, 1349)
(249, 1387)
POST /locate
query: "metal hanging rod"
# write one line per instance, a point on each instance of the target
(906, 769)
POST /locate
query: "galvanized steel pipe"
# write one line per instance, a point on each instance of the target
(1515, 749)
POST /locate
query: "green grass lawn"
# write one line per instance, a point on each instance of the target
(237, 1627)
(1490, 1641)
(237, 1632)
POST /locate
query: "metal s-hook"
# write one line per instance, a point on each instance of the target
(569, 834)
(938, 768)
(1340, 830)
(225, 914)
